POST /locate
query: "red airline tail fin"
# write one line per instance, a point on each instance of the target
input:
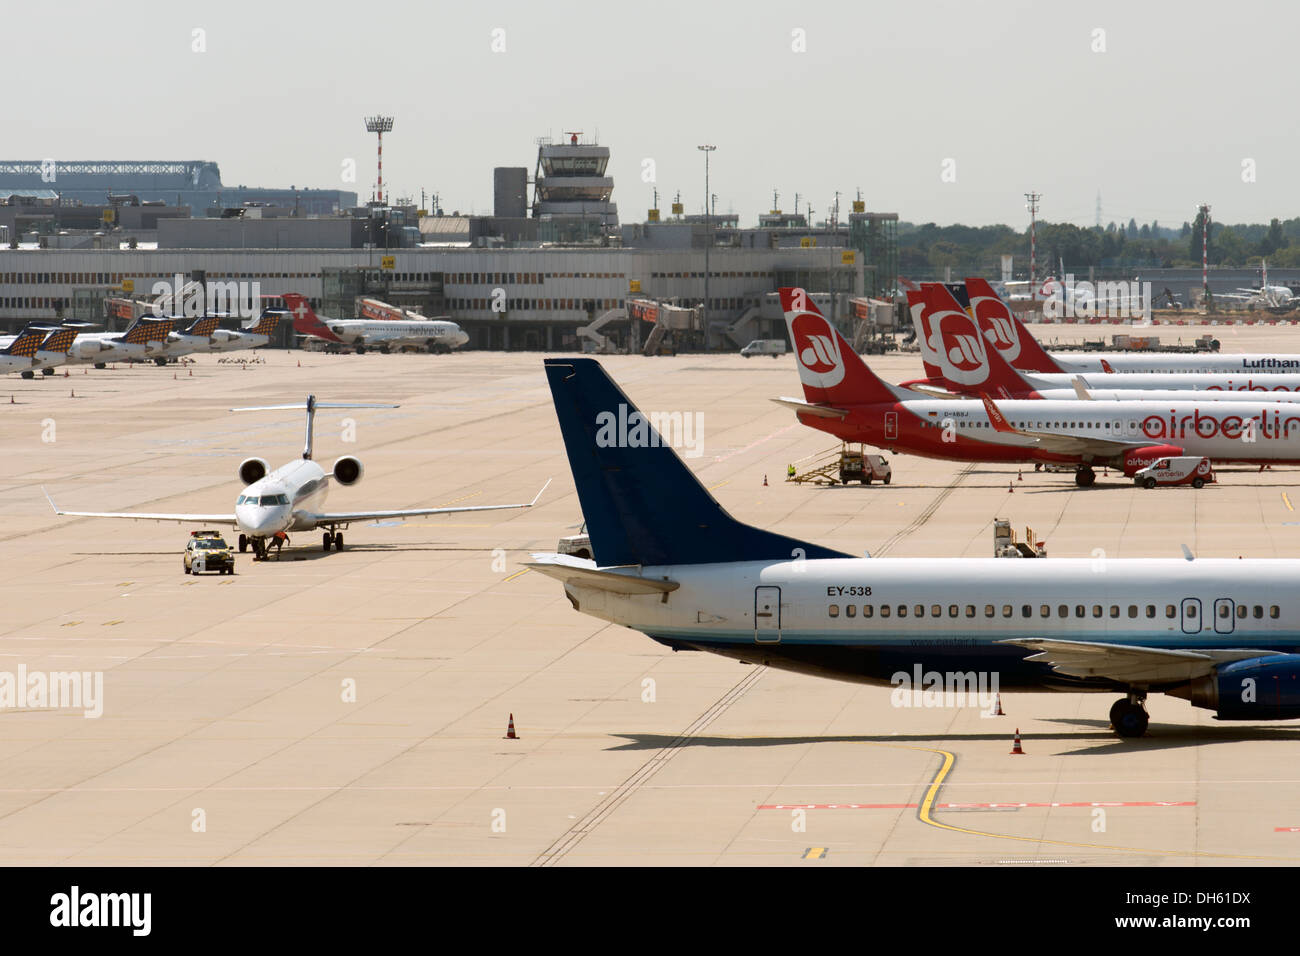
(831, 372)
(1005, 332)
(968, 364)
(305, 320)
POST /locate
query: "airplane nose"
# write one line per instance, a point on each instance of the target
(261, 522)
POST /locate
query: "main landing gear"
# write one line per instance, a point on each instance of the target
(332, 538)
(1084, 476)
(243, 543)
(1128, 715)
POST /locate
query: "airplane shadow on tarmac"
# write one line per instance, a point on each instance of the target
(1095, 738)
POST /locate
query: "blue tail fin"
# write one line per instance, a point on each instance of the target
(642, 504)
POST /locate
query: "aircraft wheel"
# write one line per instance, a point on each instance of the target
(338, 541)
(28, 373)
(47, 371)
(361, 350)
(1085, 477)
(101, 365)
(1198, 482)
(432, 348)
(1128, 719)
(243, 542)
(326, 540)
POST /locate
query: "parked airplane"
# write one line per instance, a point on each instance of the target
(1023, 351)
(290, 497)
(18, 354)
(403, 329)
(958, 359)
(845, 398)
(196, 338)
(143, 339)
(53, 350)
(672, 564)
(252, 336)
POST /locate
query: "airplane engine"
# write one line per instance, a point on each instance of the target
(1262, 688)
(1135, 459)
(348, 470)
(253, 469)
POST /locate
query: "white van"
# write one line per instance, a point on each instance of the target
(772, 347)
(1191, 470)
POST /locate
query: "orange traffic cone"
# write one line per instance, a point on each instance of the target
(74, 394)
(300, 363)
(1011, 488)
(511, 735)
(997, 706)
(191, 373)
(765, 481)
(1020, 474)
(1015, 744)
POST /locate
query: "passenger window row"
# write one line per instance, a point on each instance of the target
(1043, 610)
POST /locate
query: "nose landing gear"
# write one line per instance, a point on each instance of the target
(1085, 477)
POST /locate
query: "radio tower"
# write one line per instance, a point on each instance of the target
(1032, 199)
(380, 125)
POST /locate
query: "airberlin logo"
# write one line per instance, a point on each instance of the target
(1267, 425)
(954, 344)
(997, 328)
(819, 353)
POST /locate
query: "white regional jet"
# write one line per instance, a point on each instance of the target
(671, 563)
(396, 330)
(290, 498)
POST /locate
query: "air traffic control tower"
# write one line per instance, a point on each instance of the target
(571, 193)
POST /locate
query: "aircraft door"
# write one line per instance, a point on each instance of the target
(767, 615)
(1191, 616)
(891, 426)
(1224, 616)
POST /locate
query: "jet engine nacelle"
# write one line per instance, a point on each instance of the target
(348, 470)
(253, 469)
(1135, 459)
(1262, 688)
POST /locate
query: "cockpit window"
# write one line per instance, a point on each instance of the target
(249, 499)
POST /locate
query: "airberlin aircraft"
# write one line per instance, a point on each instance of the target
(672, 564)
(846, 399)
(290, 497)
(959, 359)
(1023, 352)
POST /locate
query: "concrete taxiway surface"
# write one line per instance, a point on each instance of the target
(350, 708)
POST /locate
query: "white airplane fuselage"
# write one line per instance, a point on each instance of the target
(228, 340)
(297, 488)
(407, 332)
(951, 612)
(1215, 363)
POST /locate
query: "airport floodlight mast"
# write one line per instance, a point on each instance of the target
(1032, 202)
(708, 241)
(1205, 249)
(379, 125)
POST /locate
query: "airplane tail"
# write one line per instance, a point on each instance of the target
(967, 363)
(642, 505)
(266, 323)
(831, 372)
(26, 342)
(1005, 332)
(306, 321)
(204, 325)
(60, 340)
(145, 329)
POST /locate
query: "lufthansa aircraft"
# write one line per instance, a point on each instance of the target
(844, 397)
(672, 564)
(291, 497)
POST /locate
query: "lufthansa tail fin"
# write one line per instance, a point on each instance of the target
(1005, 332)
(60, 340)
(204, 325)
(305, 319)
(832, 373)
(266, 323)
(642, 505)
(26, 342)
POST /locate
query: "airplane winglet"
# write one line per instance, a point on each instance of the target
(1081, 388)
(1105, 367)
(51, 501)
(996, 418)
(539, 494)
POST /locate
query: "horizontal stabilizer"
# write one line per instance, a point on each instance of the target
(584, 573)
(820, 411)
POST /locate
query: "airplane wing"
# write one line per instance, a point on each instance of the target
(1126, 663)
(143, 515)
(341, 516)
(1058, 443)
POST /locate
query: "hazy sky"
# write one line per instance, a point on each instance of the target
(1005, 97)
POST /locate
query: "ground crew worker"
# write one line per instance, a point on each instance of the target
(280, 539)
